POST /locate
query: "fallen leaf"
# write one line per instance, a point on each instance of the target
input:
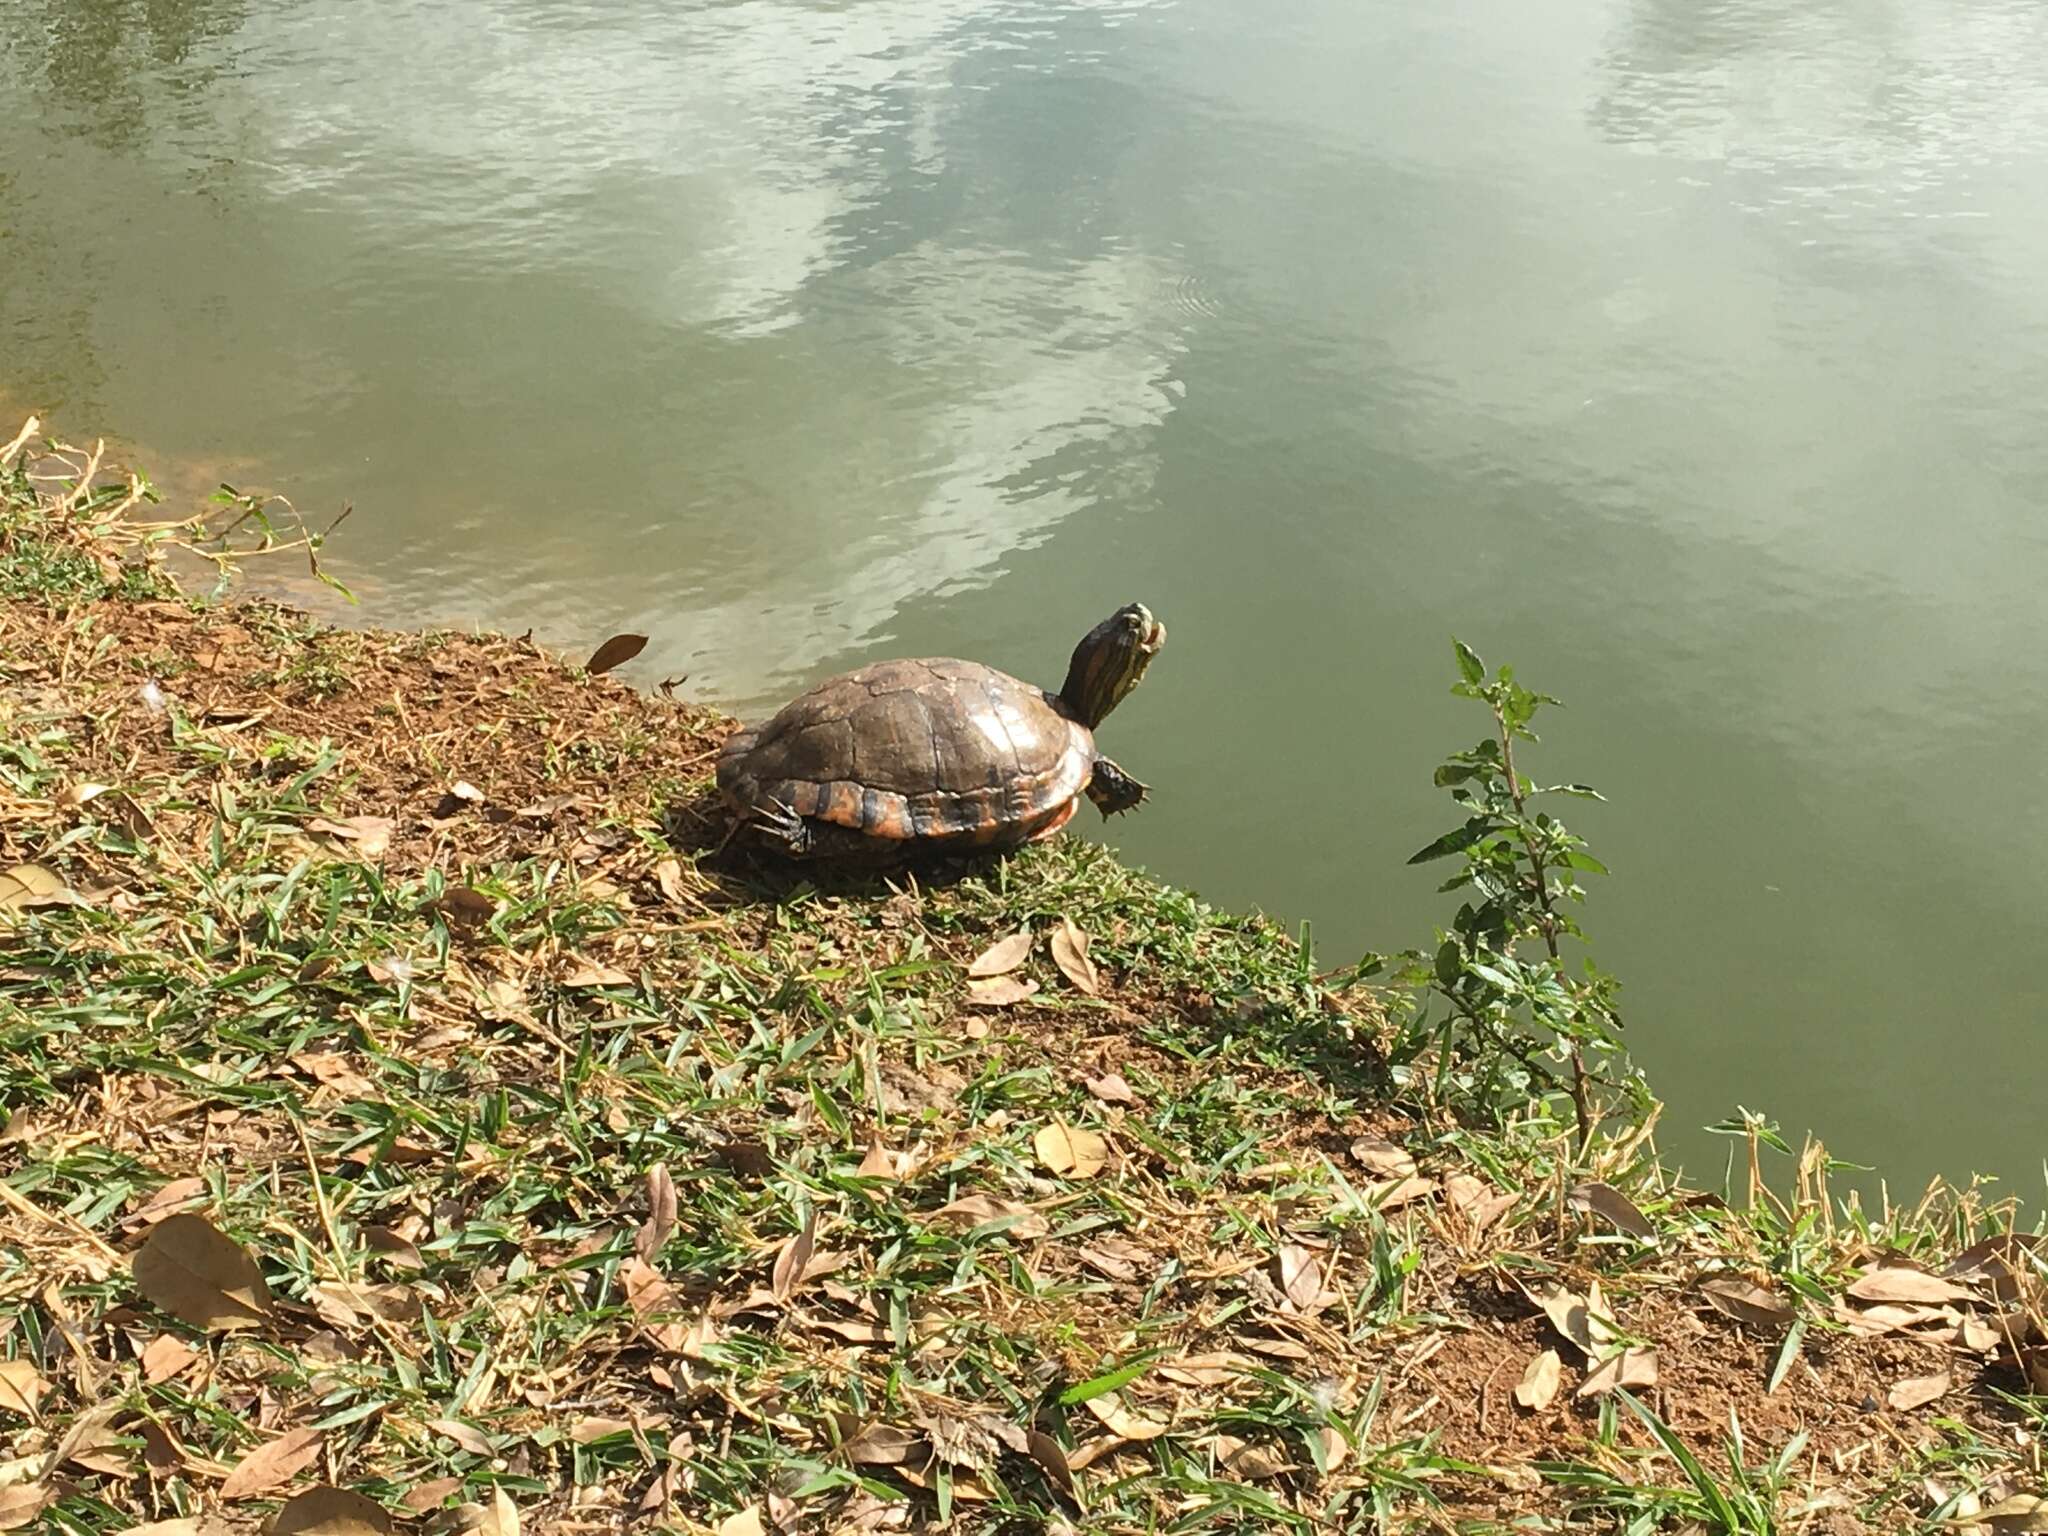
(22, 1502)
(272, 1464)
(1581, 1320)
(470, 1438)
(1382, 1159)
(1122, 1421)
(1002, 957)
(467, 792)
(465, 906)
(75, 795)
(21, 1388)
(879, 1163)
(501, 1516)
(1747, 1302)
(1112, 1089)
(1070, 954)
(885, 1445)
(1391, 1197)
(189, 1526)
(331, 1069)
(1249, 1460)
(423, 1497)
(1210, 1370)
(661, 1213)
(326, 1511)
(371, 835)
(999, 991)
(668, 877)
(586, 1431)
(1046, 1451)
(614, 652)
(1606, 1201)
(590, 973)
(746, 1523)
(1629, 1368)
(1068, 1150)
(1912, 1286)
(165, 1357)
(978, 1210)
(395, 1250)
(1300, 1276)
(652, 1300)
(794, 1258)
(2018, 1512)
(1977, 1335)
(1918, 1391)
(30, 885)
(1885, 1318)
(1540, 1381)
(190, 1270)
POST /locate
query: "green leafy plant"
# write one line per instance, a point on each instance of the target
(1518, 1018)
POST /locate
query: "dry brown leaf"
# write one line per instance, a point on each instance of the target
(2017, 1512)
(1250, 1460)
(584, 1431)
(971, 1211)
(591, 973)
(188, 1526)
(1629, 1368)
(1383, 1159)
(1084, 1456)
(661, 1214)
(190, 1270)
(464, 906)
(616, 651)
(370, 835)
(470, 1438)
(22, 1502)
(794, 1257)
(1540, 1381)
(1747, 1302)
(1910, 1286)
(272, 1464)
(500, 1517)
(1124, 1422)
(1918, 1391)
(75, 795)
(30, 885)
(395, 1250)
(1210, 1370)
(1300, 1273)
(422, 1497)
(1391, 1197)
(1606, 1201)
(325, 1511)
(165, 1357)
(331, 1070)
(1112, 1089)
(1046, 1451)
(1869, 1322)
(879, 1163)
(885, 1445)
(1070, 1151)
(999, 991)
(1003, 956)
(21, 1388)
(653, 1302)
(1070, 954)
(746, 1523)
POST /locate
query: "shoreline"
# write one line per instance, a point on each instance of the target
(502, 1149)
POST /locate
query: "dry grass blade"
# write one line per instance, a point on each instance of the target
(190, 1270)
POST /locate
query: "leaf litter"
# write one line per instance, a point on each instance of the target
(604, 1078)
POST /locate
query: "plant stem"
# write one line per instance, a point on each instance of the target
(1582, 1083)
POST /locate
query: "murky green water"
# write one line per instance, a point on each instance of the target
(1691, 355)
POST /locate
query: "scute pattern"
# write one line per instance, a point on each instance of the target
(932, 749)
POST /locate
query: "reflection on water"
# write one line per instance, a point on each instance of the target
(1685, 354)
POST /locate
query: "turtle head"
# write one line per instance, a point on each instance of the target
(1109, 661)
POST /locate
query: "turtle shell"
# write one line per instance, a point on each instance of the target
(929, 750)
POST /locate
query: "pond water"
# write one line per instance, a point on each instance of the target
(1691, 356)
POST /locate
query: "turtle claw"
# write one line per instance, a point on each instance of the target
(1114, 791)
(779, 823)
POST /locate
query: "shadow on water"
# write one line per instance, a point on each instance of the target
(94, 63)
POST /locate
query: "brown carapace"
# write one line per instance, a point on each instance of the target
(937, 754)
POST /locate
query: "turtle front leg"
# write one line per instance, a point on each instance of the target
(778, 824)
(1113, 790)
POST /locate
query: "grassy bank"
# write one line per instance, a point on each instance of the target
(411, 1125)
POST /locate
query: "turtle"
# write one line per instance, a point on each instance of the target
(935, 754)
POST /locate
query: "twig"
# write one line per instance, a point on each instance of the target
(28, 430)
(83, 485)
